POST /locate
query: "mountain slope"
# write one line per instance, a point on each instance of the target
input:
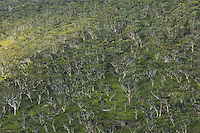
(99, 66)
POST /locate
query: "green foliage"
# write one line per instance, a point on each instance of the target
(99, 66)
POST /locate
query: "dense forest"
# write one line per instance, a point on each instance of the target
(99, 66)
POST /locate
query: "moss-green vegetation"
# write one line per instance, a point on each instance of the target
(99, 66)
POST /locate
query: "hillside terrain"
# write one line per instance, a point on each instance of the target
(96, 66)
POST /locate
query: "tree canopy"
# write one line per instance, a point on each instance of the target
(99, 66)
